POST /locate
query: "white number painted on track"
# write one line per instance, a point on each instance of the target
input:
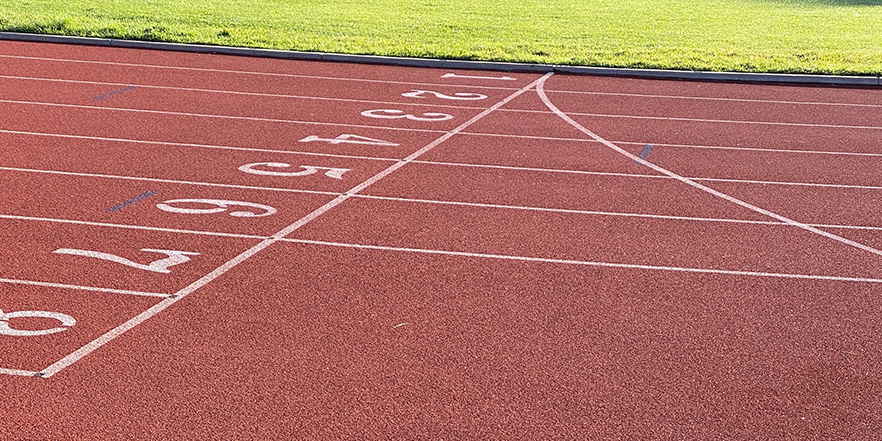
(473, 77)
(455, 96)
(349, 139)
(398, 114)
(159, 266)
(219, 207)
(335, 173)
(66, 322)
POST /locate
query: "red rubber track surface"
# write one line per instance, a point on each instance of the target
(479, 270)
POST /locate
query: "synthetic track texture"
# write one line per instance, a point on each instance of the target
(270, 249)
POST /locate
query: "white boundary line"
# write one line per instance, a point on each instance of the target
(705, 120)
(712, 98)
(167, 181)
(131, 227)
(5, 371)
(588, 263)
(83, 288)
(204, 146)
(691, 183)
(206, 115)
(750, 149)
(695, 146)
(110, 335)
(242, 72)
(234, 92)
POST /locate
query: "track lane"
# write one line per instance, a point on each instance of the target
(632, 241)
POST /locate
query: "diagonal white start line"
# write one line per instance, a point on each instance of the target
(540, 89)
(165, 303)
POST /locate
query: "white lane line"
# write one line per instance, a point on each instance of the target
(709, 98)
(23, 373)
(205, 115)
(607, 213)
(131, 227)
(452, 164)
(82, 288)
(231, 92)
(166, 181)
(720, 121)
(639, 175)
(185, 144)
(165, 303)
(243, 72)
(642, 143)
(689, 182)
(438, 202)
(750, 149)
(589, 263)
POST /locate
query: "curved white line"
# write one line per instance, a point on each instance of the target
(540, 90)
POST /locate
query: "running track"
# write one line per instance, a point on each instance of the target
(340, 251)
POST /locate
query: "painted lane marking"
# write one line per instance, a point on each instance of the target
(170, 181)
(205, 146)
(333, 173)
(161, 266)
(204, 115)
(399, 114)
(65, 320)
(19, 372)
(710, 98)
(243, 72)
(219, 271)
(131, 201)
(220, 206)
(705, 120)
(692, 183)
(133, 227)
(588, 263)
(456, 96)
(644, 154)
(83, 288)
(350, 139)
(475, 77)
(110, 94)
(587, 140)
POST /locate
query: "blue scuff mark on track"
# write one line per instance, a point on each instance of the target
(644, 153)
(131, 201)
(110, 94)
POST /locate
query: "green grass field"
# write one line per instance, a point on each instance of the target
(809, 36)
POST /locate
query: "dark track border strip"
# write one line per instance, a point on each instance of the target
(734, 77)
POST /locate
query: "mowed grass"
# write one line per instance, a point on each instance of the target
(797, 36)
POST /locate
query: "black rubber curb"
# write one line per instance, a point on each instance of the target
(736, 77)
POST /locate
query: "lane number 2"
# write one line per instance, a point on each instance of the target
(158, 266)
(455, 96)
(349, 139)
